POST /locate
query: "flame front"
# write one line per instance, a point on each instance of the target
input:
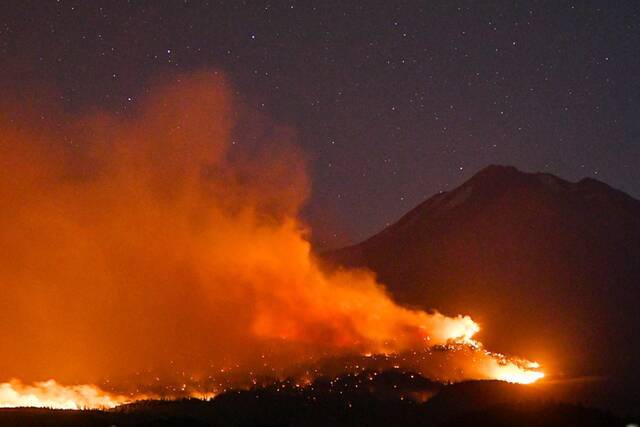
(170, 242)
(50, 394)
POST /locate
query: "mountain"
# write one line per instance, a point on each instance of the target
(549, 268)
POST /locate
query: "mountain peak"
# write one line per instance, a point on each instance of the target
(495, 169)
(494, 178)
(505, 176)
(498, 187)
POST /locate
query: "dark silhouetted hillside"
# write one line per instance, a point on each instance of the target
(487, 403)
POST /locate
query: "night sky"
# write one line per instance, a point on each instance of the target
(392, 101)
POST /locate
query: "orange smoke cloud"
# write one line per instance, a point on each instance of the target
(169, 242)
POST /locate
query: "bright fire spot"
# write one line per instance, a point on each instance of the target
(515, 374)
(520, 372)
(50, 394)
(499, 366)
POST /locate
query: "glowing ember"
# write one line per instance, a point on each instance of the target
(477, 363)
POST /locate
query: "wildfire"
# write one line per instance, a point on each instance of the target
(50, 394)
(159, 238)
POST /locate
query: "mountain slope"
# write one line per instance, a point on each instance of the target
(550, 268)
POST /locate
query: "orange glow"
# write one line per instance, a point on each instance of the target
(169, 242)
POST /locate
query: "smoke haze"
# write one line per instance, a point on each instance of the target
(170, 240)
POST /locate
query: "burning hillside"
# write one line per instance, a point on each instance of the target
(168, 243)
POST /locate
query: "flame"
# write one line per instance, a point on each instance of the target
(513, 371)
(50, 394)
(169, 242)
(516, 374)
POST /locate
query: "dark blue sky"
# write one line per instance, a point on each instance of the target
(392, 101)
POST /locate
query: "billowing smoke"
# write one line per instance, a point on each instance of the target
(168, 241)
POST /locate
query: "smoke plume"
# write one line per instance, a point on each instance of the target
(168, 241)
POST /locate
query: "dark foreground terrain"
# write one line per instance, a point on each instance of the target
(388, 400)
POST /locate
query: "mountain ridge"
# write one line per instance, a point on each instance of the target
(495, 172)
